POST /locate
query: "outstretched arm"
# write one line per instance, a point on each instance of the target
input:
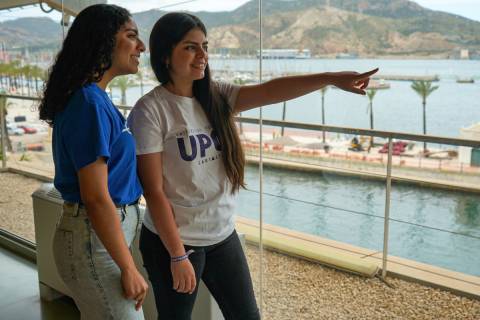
(286, 88)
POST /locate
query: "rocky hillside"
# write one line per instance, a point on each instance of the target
(365, 27)
(30, 32)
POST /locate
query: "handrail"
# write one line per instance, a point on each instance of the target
(365, 132)
(329, 128)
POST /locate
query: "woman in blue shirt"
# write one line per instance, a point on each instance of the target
(95, 165)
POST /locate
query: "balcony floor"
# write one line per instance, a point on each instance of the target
(19, 293)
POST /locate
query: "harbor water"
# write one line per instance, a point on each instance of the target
(351, 210)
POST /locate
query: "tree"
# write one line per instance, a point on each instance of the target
(15, 72)
(140, 77)
(38, 74)
(322, 92)
(371, 94)
(424, 89)
(3, 74)
(123, 83)
(25, 76)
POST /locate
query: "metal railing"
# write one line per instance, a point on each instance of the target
(390, 136)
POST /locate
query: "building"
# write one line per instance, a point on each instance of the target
(464, 54)
(467, 155)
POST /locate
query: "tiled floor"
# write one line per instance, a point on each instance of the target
(19, 293)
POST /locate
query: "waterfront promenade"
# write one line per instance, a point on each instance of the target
(304, 151)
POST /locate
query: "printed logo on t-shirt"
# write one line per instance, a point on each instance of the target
(126, 128)
(195, 144)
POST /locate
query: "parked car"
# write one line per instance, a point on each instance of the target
(35, 147)
(13, 130)
(20, 118)
(398, 148)
(28, 129)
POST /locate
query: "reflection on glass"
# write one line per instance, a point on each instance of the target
(340, 194)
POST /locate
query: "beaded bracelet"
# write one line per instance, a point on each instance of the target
(181, 258)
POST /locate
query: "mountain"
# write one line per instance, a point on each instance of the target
(365, 27)
(30, 32)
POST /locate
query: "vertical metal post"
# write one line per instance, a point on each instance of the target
(3, 105)
(284, 113)
(323, 113)
(63, 22)
(260, 18)
(387, 209)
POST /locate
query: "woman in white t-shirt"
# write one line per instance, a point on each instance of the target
(191, 165)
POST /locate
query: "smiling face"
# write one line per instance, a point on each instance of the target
(128, 46)
(189, 58)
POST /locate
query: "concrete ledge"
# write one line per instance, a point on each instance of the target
(396, 177)
(295, 246)
(315, 248)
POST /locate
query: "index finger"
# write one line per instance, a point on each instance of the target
(367, 74)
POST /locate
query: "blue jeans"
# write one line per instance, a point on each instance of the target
(88, 270)
(222, 267)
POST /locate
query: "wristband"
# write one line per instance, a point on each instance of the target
(181, 258)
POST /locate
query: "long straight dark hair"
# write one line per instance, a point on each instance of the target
(167, 32)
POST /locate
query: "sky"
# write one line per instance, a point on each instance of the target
(466, 8)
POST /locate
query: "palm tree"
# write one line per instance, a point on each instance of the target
(424, 89)
(371, 94)
(26, 73)
(123, 83)
(323, 91)
(14, 72)
(140, 77)
(3, 74)
(37, 74)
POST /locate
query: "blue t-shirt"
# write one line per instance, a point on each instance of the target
(91, 127)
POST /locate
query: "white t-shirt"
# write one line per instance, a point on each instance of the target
(194, 178)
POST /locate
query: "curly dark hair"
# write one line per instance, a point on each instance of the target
(167, 32)
(85, 56)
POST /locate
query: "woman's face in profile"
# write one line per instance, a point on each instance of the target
(128, 47)
(189, 57)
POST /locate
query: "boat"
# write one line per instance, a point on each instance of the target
(378, 85)
(465, 80)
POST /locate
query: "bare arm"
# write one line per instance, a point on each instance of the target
(150, 171)
(286, 88)
(93, 180)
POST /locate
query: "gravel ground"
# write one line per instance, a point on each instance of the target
(294, 289)
(16, 209)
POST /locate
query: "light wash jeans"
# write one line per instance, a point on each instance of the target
(88, 270)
